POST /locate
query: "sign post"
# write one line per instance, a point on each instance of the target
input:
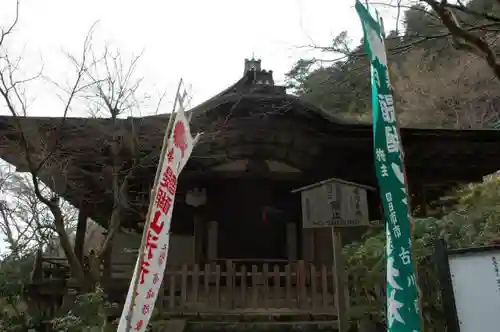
(335, 204)
(340, 279)
(469, 299)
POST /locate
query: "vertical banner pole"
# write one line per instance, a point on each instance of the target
(382, 29)
(403, 305)
(141, 253)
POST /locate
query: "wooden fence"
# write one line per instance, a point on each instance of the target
(222, 287)
(229, 286)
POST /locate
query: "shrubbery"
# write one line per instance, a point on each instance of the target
(472, 218)
(17, 314)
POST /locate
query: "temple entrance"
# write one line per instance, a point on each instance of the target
(250, 228)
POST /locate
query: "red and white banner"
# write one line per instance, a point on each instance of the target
(152, 266)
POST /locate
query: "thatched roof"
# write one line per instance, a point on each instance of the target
(247, 121)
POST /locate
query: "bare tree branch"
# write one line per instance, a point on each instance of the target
(463, 38)
(12, 94)
(115, 90)
(6, 32)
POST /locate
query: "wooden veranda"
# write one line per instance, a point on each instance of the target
(299, 289)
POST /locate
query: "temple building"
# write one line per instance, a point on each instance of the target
(235, 211)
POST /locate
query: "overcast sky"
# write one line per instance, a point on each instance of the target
(205, 42)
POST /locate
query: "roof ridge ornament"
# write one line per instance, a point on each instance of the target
(252, 65)
(253, 71)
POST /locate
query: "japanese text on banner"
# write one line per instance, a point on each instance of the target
(402, 290)
(151, 269)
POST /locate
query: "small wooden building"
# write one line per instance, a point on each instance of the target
(237, 241)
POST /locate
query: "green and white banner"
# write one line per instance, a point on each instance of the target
(402, 290)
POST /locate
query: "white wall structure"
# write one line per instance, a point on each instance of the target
(476, 285)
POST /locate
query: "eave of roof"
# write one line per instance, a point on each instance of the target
(202, 114)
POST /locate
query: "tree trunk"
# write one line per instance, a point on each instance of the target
(74, 264)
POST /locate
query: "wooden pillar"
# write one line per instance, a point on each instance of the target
(107, 261)
(81, 232)
(212, 240)
(340, 280)
(198, 238)
(308, 244)
(291, 241)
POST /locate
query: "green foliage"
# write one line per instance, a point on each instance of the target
(14, 273)
(88, 314)
(298, 76)
(337, 85)
(435, 85)
(14, 315)
(419, 22)
(485, 6)
(472, 220)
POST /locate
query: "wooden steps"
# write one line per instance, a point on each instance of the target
(243, 326)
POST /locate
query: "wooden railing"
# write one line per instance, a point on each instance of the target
(215, 287)
(227, 286)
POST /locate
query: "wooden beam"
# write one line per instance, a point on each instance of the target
(188, 175)
(320, 183)
(199, 232)
(213, 241)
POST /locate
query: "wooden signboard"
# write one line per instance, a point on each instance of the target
(477, 294)
(334, 203)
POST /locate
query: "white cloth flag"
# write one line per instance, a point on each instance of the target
(151, 270)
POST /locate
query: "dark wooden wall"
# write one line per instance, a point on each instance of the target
(252, 216)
